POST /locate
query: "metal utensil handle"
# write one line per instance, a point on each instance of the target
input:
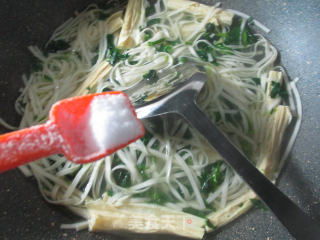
(300, 225)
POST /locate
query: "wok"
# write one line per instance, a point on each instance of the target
(295, 32)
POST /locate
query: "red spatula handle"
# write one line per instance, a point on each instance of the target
(20, 147)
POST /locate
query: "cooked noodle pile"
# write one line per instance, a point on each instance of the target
(171, 166)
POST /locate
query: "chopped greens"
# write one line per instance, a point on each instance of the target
(146, 138)
(182, 59)
(217, 117)
(234, 36)
(278, 90)
(141, 99)
(212, 177)
(113, 54)
(246, 148)
(210, 27)
(132, 62)
(256, 203)
(153, 21)
(156, 42)
(257, 81)
(150, 10)
(163, 45)
(195, 212)
(223, 49)
(47, 78)
(147, 35)
(207, 54)
(110, 193)
(106, 89)
(155, 196)
(210, 225)
(121, 176)
(142, 170)
(211, 33)
(272, 111)
(151, 77)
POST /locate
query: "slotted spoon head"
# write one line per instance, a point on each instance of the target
(178, 97)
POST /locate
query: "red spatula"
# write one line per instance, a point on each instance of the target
(84, 129)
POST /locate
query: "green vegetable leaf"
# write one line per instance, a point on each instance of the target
(163, 45)
(132, 62)
(155, 196)
(212, 177)
(106, 89)
(142, 170)
(245, 37)
(164, 48)
(47, 78)
(151, 77)
(146, 138)
(258, 204)
(182, 59)
(206, 53)
(233, 36)
(113, 54)
(150, 10)
(257, 81)
(272, 111)
(110, 193)
(210, 27)
(210, 206)
(278, 90)
(161, 40)
(141, 99)
(210, 225)
(122, 177)
(147, 36)
(223, 49)
(217, 117)
(246, 148)
(195, 212)
(153, 21)
(211, 33)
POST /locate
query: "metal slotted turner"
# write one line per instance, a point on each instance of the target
(181, 100)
